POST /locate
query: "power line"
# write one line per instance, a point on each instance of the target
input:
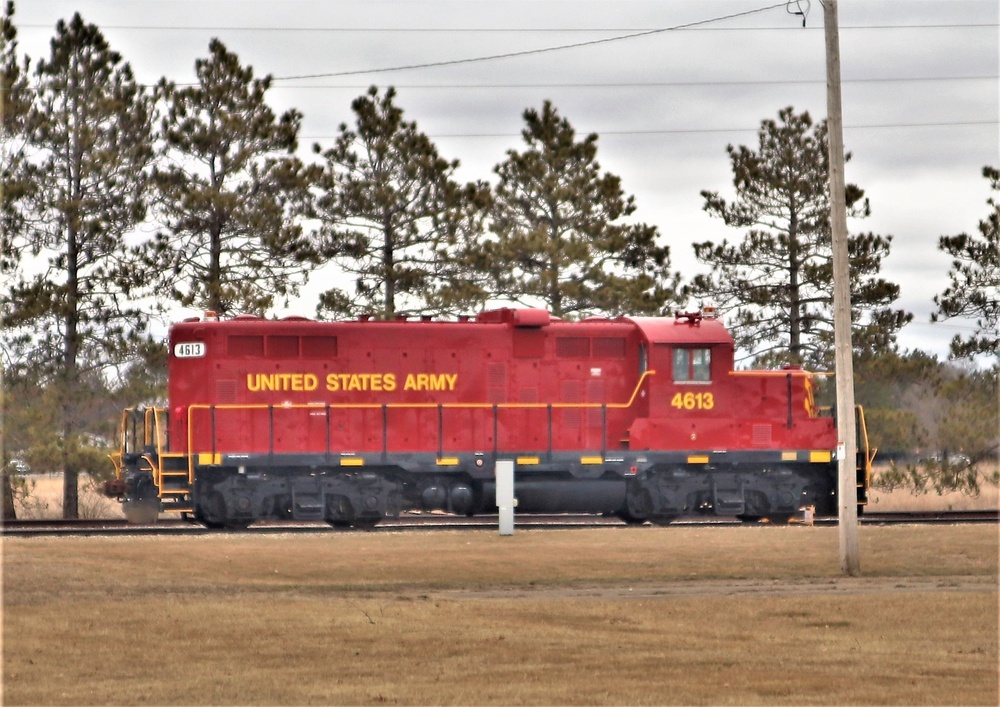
(703, 25)
(697, 131)
(505, 30)
(530, 52)
(628, 85)
(943, 325)
(526, 52)
(622, 85)
(647, 84)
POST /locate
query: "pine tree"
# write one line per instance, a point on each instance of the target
(88, 132)
(975, 281)
(16, 181)
(562, 236)
(776, 285)
(233, 195)
(14, 185)
(394, 217)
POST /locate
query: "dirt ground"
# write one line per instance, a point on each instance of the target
(734, 587)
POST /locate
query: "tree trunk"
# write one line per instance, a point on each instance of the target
(8, 493)
(8, 498)
(389, 266)
(795, 312)
(70, 372)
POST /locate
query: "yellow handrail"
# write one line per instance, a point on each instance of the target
(781, 373)
(395, 406)
(869, 451)
(425, 406)
(152, 435)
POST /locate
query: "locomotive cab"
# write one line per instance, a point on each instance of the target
(692, 356)
(748, 444)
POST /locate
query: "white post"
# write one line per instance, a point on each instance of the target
(505, 495)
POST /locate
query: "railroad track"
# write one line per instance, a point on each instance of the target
(433, 522)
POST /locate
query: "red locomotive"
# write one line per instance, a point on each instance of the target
(350, 422)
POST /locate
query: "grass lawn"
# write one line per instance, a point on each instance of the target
(682, 615)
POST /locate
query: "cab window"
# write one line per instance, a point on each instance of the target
(692, 365)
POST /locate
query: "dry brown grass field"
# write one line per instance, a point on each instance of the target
(45, 496)
(682, 615)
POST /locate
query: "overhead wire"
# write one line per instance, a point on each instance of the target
(703, 131)
(645, 84)
(528, 52)
(502, 30)
(704, 24)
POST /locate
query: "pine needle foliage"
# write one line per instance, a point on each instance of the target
(562, 233)
(974, 290)
(232, 195)
(16, 178)
(775, 286)
(395, 219)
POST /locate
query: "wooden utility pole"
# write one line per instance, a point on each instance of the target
(7, 510)
(847, 446)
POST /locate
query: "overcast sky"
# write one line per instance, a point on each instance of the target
(920, 93)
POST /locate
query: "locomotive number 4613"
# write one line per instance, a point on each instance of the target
(190, 349)
(693, 401)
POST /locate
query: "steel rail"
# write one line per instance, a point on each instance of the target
(434, 521)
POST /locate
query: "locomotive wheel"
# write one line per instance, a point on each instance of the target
(212, 514)
(340, 514)
(638, 504)
(210, 524)
(232, 524)
(630, 519)
(339, 511)
(662, 520)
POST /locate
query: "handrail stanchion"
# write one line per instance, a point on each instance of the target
(495, 432)
(440, 430)
(326, 456)
(604, 431)
(549, 408)
(385, 433)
